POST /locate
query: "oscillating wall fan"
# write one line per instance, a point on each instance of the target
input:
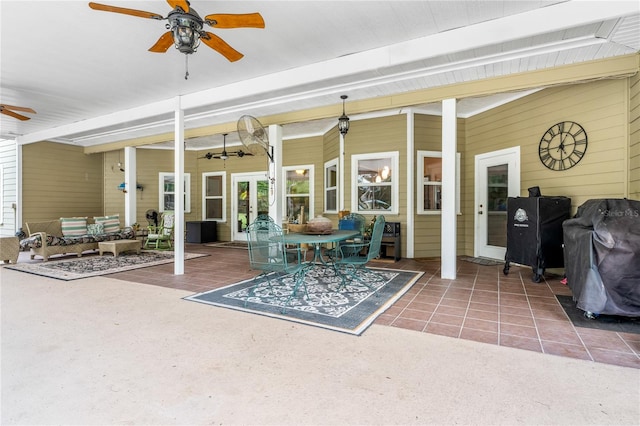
(225, 154)
(254, 136)
(10, 111)
(152, 217)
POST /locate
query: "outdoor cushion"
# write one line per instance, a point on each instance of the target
(73, 226)
(110, 223)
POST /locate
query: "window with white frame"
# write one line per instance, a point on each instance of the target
(429, 173)
(167, 185)
(331, 178)
(2, 194)
(375, 182)
(214, 201)
(298, 193)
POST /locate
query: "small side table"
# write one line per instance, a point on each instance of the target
(118, 246)
(9, 249)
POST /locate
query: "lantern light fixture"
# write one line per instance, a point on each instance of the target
(343, 121)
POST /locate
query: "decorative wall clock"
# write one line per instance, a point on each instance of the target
(563, 146)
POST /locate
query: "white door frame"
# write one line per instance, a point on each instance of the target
(510, 156)
(235, 178)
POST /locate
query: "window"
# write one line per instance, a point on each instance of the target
(429, 172)
(167, 194)
(2, 183)
(331, 186)
(214, 201)
(298, 193)
(375, 183)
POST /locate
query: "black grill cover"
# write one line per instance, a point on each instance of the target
(602, 256)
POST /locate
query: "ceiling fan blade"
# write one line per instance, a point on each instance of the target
(124, 10)
(228, 20)
(184, 5)
(221, 46)
(17, 108)
(14, 114)
(164, 42)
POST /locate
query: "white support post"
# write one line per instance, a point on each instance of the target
(448, 245)
(275, 171)
(130, 206)
(410, 184)
(178, 230)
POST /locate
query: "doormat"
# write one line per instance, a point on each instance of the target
(229, 244)
(601, 322)
(94, 265)
(482, 261)
(350, 310)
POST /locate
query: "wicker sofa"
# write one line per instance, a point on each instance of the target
(47, 238)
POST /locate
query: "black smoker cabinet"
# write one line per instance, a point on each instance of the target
(534, 232)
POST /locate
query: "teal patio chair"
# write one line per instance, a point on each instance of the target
(268, 253)
(351, 264)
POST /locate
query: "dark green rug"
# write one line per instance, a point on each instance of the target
(601, 322)
(350, 310)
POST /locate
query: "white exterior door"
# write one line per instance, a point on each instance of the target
(497, 178)
(250, 192)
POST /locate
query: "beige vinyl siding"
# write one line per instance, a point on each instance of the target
(331, 151)
(428, 227)
(308, 151)
(634, 137)
(8, 180)
(60, 180)
(600, 107)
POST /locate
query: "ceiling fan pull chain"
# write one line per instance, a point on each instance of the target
(186, 67)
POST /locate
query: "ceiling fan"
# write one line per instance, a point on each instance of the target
(186, 27)
(225, 154)
(10, 111)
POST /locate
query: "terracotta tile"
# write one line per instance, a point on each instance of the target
(421, 306)
(443, 329)
(409, 324)
(415, 315)
(517, 320)
(479, 336)
(615, 358)
(479, 324)
(566, 350)
(483, 307)
(451, 310)
(457, 303)
(520, 342)
(518, 330)
(484, 315)
(602, 339)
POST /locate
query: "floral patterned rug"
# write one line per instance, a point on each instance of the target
(93, 265)
(350, 309)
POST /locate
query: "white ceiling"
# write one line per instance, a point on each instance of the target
(90, 78)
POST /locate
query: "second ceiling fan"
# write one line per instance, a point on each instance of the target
(225, 154)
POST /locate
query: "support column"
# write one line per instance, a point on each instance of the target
(341, 175)
(411, 182)
(274, 171)
(448, 245)
(178, 230)
(130, 206)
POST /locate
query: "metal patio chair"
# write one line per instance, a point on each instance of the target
(268, 253)
(351, 264)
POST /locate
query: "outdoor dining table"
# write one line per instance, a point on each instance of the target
(318, 239)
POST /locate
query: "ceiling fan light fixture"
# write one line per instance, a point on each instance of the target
(343, 120)
(186, 29)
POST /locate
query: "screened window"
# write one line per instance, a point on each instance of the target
(298, 193)
(167, 194)
(331, 186)
(429, 172)
(375, 182)
(214, 203)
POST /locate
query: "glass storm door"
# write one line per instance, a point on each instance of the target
(497, 178)
(250, 198)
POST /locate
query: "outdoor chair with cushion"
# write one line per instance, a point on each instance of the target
(160, 236)
(268, 253)
(351, 263)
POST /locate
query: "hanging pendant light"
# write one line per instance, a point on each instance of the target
(343, 121)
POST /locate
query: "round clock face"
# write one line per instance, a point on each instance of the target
(563, 146)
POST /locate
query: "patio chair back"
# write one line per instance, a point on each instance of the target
(267, 250)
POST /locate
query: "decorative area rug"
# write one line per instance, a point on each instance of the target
(482, 261)
(602, 322)
(350, 310)
(94, 265)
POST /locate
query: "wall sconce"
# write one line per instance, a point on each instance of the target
(343, 121)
